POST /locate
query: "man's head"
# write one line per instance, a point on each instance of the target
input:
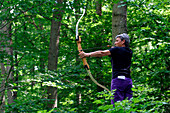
(122, 40)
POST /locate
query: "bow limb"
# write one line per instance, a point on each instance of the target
(78, 40)
(86, 66)
(89, 72)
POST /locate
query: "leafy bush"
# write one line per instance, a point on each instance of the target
(140, 103)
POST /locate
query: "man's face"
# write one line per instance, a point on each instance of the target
(119, 43)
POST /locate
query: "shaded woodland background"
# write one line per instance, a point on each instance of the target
(42, 72)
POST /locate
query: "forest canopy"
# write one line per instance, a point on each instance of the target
(42, 72)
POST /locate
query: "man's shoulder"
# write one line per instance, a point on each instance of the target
(117, 48)
(120, 49)
(114, 50)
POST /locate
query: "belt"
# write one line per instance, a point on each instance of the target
(121, 77)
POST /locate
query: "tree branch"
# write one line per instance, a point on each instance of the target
(45, 17)
(21, 13)
(13, 66)
(68, 27)
(146, 67)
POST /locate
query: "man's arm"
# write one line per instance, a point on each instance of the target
(95, 54)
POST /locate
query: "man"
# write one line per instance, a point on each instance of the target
(121, 56)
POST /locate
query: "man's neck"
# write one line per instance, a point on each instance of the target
(122, 46)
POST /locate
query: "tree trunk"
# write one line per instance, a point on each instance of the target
(53, 52)
(99, 7)
(2, 89)
(119, 16)
(7, 72)
(9, 51)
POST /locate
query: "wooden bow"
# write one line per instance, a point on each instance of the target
(86, 66)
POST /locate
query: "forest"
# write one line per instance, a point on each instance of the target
(41, 71)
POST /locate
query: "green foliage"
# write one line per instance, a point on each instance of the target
(148, 27)
(140, 103)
